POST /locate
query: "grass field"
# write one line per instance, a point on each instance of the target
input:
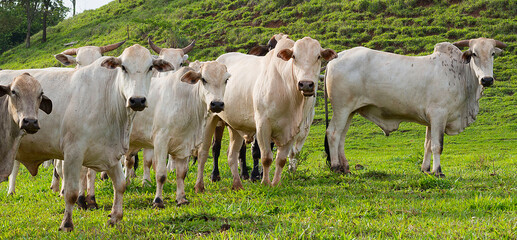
(389, 198)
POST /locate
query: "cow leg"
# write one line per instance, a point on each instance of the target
(81, 200)
(71, 180)
(281, 159)
(116, 174)
(203, 152)
(55, 176)
(170, 164)
(12, 177)
(160, 161)
(233, 157)
(181, 173)
(263, 137)
(255, 153)
(148, 162)
(216, 151)
(426, 164)
(242, 159)
(437, 132)
(90, 195)
(336, 134)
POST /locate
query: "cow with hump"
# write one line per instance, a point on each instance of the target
(19, 104)
(92, 123)
(440, 91)
(265, 96)
(179, 104)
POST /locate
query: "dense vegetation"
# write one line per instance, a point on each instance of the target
(389, 198)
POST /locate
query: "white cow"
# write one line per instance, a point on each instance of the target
(177, 57)
(19, 103)
(178, 104)
(84, 56)
(440, 91)
(266, 95)
(92, 122)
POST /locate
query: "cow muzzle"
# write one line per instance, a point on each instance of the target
(487, 81)
(307, 88)
(216, 106)
(137, 103)
(30, 125)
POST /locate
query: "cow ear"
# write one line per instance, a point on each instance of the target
(466, 56)
(66, 60)
(191, 77)
(111, 63)
(4, 90)
(328, 54)
(498, 51)
(162, 66)
(46, 104)
(285, 54)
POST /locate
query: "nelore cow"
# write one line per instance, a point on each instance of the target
(19, 104)
(440, 91)
(92, 120)
(265, 96)
(84, 56)
(178, 107)
(177, 57)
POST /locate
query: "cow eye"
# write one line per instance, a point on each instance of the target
(474, 54)
(493, 54)
(150, 68)
(226, 81)
(293, 57)
(13, 92)
(124, 69)
(203, 80)
(319, 57)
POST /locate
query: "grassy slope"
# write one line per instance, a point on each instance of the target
(389, 198)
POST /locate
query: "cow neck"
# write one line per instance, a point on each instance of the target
(10, 135)
(473, 92)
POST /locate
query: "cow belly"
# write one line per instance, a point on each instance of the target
(387, 120)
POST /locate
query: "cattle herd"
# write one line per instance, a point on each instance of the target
(92, 117)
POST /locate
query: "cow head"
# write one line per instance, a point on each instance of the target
(306, 55)
(25, 97)
(480, 56)
(85, 55)
(262, 50)
(175, 56)
(213, 77)
(135, 67)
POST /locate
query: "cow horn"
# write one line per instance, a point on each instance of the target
(462, 43)
(154, 47)
(111, 47)
(189, 47)
(71, 51)
(500, 44)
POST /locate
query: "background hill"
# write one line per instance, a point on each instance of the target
(389, 198)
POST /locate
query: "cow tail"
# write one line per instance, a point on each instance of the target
(325, 96)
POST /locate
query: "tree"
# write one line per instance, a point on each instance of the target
(73, 7)
(30, 10)
(46, 5)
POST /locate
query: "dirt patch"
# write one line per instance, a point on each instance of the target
(275, 24)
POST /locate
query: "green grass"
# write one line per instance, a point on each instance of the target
(389, 198)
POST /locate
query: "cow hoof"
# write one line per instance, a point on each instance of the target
(266, 182)
(439, 175)
(199, 189)
(113, 221)
(216, 178)
(66, 227)
(158, 203)
(256, 176)
(237, 187)
(81, 203)
(340, 170)
(245, 176)
(92, 204)
(182, 201)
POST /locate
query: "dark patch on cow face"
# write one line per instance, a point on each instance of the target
(466, 56)
(285, 54)
(328, 54)
(111, 63)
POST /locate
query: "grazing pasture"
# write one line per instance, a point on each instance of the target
(386, 196)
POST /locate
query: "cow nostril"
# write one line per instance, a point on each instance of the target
(143, 100)
(311, 85)
(36, 122)
(25, 121)
(132, 100)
